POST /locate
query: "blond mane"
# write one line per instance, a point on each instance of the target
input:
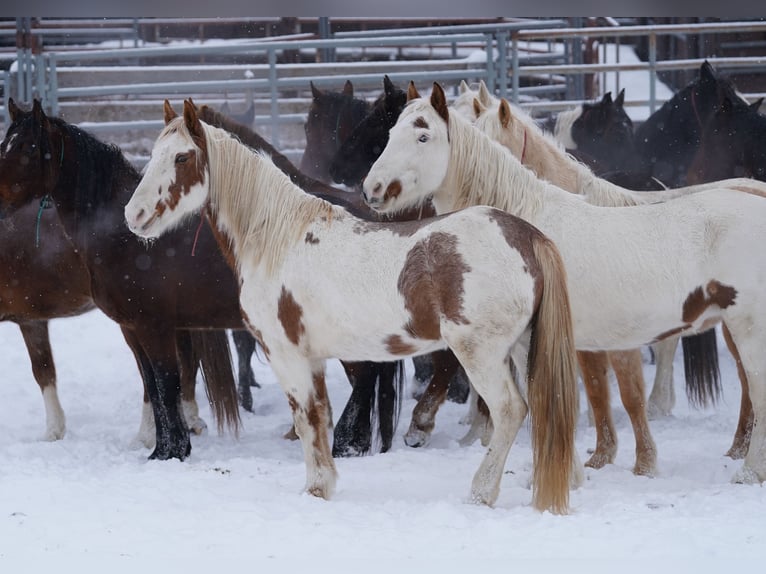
(544, 155)
(261, 210)
(482, 172)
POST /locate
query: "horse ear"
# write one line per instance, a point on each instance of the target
(316, 93)
(755, 106)
(620, 101)
(504, 112)
(388, 86)
(707, 73)
(192, 103)
(13, 110)
(478, 107)
(348, 89)
(439, 102)
(606, 100)
(463, 87)
(191, 119)
(38, 113)
(484, 96)
(412, 91)
(170, 113)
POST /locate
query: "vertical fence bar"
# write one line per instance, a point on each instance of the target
(652, 72)
(488, 41)
(515, 67)
(502, 63)
(53, 85)
(40, 81)
(274, 95)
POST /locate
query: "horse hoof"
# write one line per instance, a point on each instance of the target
(416, 438)
(599, 460)
(746, 475)
(54, 434)
(198, 426)
(291, 434)
(349, 450)
(656, 412)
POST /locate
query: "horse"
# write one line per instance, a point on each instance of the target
(373, 384)
(733, 144)
(685, 257)
(349, 166)
(668, 139)
(485, 284)
(519, 134)
(331, 117)
(43, 277)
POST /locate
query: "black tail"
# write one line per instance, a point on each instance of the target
(212, 349)
(703, 376)
(362, 420)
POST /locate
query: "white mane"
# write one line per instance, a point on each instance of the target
(547, 157)
(253, 200)
(562, 130)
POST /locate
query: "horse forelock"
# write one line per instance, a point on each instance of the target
(255, 204)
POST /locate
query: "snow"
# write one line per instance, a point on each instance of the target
(92, 500)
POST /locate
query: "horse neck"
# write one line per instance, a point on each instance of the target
(255, 205)
(481, 172)
(549, 161)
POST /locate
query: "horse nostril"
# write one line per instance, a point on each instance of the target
(378, 187)
(140, 215)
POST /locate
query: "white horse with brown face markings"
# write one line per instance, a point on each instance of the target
(317, 282)
(636, 275)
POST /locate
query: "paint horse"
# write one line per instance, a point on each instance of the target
(685, 257)
(483, 283)
(514, 130)
(374, 405)
(331, 117)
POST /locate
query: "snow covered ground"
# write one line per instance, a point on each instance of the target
(92, 501)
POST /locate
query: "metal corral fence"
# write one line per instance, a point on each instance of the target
(533, 62)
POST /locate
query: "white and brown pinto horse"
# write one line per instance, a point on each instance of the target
(691, 259)
(317, 282)
(542, 154)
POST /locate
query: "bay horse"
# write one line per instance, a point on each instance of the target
(481, 282)
(518, 133)
(685, 257)
(43, 277)
(733, 144)
(330, 119)
(375, 402)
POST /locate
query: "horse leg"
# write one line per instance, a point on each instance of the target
(662, 399)
(459, 387)
(488, 367)
(594, 368)
(160, 356)
(628, 368)
(481, 425)
(744, 337)
(424, 372)
(353, 432)
(147, 433)
(303, 381)
(390, 388)
(741, 442)
(188, 366)
(244, 343)
(424, 413)
(38, 343)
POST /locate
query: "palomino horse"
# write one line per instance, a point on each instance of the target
(685, 257)
(331, 117)
(481, 282)
(44, 277)
(514, 130)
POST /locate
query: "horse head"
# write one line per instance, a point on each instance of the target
(416, 158)
(176, 179)
(366, 142)
(31, 155)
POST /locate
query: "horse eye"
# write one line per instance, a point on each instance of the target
(181, 158)
(423, 138)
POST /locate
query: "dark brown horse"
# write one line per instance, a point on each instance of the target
(41, 278)
(89, 182)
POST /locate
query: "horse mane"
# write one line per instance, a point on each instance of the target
(265, 212)
(98, 166)
(549, 160)
(562, 129)
(484, 173)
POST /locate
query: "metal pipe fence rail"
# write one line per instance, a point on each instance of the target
(508, 61)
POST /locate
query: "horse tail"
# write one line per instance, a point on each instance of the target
(552, 376)
(212, 349)
(703, 375)
(372, 410)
